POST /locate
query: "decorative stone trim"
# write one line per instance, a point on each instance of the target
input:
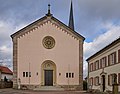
(81, 64)
(43, 21)
(48, 42)
(14, 62)
(32, 29)
(64, 30)
(48, 65)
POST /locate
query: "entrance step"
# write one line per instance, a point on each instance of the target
(49, 88)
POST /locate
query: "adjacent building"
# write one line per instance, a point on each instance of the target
(5, 72)
(104, 67)
(48, 53)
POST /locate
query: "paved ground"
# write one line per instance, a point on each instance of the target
(12, 91)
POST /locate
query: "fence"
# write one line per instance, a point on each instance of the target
(4, 84)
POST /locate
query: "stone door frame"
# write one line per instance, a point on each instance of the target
(48, 65)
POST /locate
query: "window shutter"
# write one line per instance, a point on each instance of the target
(119, 78)
(105, 61)
(92, 67)
(119, 56)
(100, 63)
(95, 65)
(95, 81)
(108, 60)
(89, 81)
(92, 81)
(108, 79)
(114, 57)
(98, 80)
(89, 67)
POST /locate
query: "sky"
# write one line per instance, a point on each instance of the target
(97, 20)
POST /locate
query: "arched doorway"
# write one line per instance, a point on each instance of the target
(48, 75)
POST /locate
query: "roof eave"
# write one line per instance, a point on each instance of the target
(105, 48)
(73, 31)
(16, 33)
(43, 18)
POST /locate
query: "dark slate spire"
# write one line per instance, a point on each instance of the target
(48, 8)
(71, 19)
(48, 14)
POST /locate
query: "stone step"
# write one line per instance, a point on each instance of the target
(49, 88)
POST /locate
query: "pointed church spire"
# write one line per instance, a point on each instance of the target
(71, 19)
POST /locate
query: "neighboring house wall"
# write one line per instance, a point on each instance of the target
(8, 76)
(105, 63)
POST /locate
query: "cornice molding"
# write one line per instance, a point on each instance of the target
(44, 21)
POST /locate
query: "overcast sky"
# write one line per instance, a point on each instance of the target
(97, 20)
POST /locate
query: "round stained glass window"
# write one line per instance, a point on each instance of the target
(48, 42)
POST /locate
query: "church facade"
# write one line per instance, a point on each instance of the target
(48, 53)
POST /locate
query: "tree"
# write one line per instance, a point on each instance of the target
(5, 79)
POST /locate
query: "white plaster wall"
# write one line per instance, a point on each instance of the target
(109, 70)
(32, 53)
(8, 76)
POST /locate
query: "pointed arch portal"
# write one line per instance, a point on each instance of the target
(48, 75)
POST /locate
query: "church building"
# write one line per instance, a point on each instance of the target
(48, 53)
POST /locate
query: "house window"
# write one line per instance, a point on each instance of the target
(26, 74)
(66, 75)
(91, 67)
(112, 58)
(103, 62)
(23, 74)
(96, 80)
(91, 81)
(69, 75)
(72, 75)
(111, 79)
(97, 65)
(29, 74)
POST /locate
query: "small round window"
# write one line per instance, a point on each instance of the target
(48, 42)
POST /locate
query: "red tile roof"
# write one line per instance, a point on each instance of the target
(5, 70)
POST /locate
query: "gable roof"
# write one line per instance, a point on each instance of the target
(5, 70)
(44, 18)
(105, 48)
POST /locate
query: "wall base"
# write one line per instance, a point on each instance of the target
(65, 87)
